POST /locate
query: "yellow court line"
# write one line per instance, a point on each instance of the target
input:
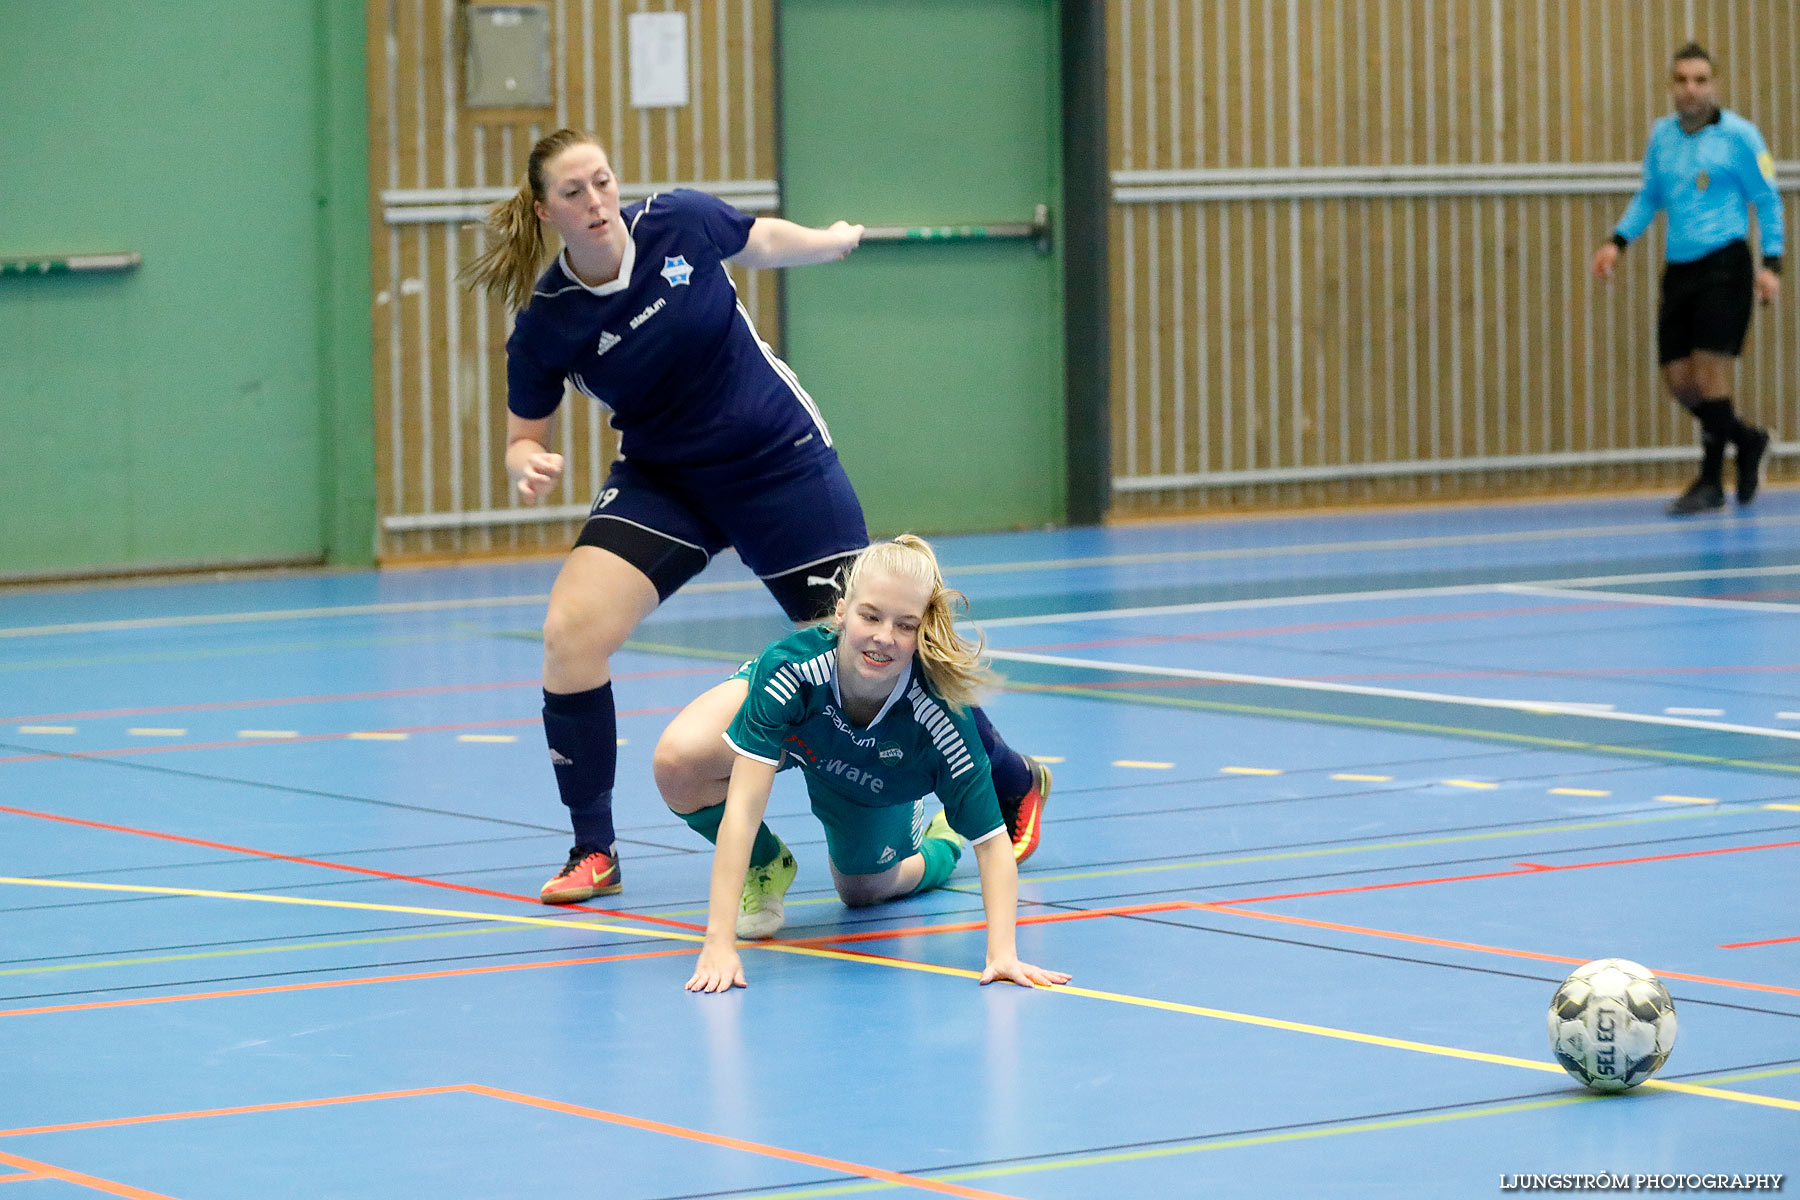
(1249, 771)
(1345, 775)
(360, 905)
(146, 731)
(1690, 799)
(1784, 807)
(376, 735)
(1567, 791)
(1482, 785)
(1141, 765)
(487, 737)
(1218, 1014)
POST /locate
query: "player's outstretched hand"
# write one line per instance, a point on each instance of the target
(849, 237)
(1022, 973)
(719, 970)
(1605, 259)
(541, 473)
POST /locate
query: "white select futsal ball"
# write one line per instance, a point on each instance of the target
(1612, 1024)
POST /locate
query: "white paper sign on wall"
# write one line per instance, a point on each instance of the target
(659, 59)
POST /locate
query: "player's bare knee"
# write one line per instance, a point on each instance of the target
(859, 891)
(675, 766)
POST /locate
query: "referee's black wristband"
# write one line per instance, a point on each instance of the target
(1772, 263)
(1619, 241)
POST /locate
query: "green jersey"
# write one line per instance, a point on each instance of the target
(916, 744)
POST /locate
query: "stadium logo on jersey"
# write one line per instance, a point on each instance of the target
(676, 270)
(649, 311)
(607, 342)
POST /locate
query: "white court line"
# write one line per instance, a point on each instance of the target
(739, 585)
(1311, 685)
(1574, 593)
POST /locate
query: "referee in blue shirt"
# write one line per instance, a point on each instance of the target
(1705, 167)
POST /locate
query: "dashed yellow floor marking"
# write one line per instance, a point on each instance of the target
(1578, 792)
(46, 729)
(377, 735)
(1784, 807)
(486, 737)
(1478, 784)
(1689, 799)
(152, 732)
(1049, 758)
(1351, 778)
(1248, 771)
(1142, 766)
(268, 733)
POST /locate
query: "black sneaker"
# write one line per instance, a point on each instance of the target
(1701, 496)
(1749, 464)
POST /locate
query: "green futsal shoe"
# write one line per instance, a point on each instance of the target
(940, 828)
(760, 911)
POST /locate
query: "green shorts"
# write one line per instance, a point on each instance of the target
(867, 841)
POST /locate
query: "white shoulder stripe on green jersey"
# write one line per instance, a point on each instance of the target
(931, 717)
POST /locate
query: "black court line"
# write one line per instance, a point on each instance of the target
(64, 756)
(249, 941)
(387, 965)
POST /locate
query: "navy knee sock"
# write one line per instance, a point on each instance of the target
(1012, 777)
(583, 733)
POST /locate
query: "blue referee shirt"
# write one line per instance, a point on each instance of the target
(1706, 180)
(666, 346)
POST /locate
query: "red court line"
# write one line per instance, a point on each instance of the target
(1327, 626)
(1531, 870)
(278, 1106)
(337, 866)
(730, 1143)
(94, 1182)
(1780, 941)
(391, 694)
(23, 1177)
(133, 751)
(1423, 940)
(318, 985)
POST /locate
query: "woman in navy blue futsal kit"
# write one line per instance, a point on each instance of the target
(719, 446)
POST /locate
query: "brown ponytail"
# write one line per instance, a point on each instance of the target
(514, 259)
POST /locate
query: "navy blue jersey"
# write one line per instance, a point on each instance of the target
(666, 346)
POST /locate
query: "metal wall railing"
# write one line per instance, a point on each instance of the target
(1351, 242)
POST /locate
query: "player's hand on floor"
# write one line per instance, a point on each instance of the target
(719, 970)
(1022, 973)
(541, 473)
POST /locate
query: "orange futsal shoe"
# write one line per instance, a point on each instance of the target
(587, 874)
(1025, 821)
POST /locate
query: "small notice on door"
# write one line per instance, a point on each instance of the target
(659, 59)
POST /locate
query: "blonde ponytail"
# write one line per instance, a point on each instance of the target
(953, 665)
(517, 254)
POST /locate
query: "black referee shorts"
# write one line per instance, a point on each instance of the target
(1706, 304)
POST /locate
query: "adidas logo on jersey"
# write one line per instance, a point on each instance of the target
(607, 342)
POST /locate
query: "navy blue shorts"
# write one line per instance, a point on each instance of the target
(794, 524)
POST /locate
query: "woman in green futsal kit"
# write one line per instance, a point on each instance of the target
(873, 707)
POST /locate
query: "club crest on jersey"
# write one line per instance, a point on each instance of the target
(676, 270)
(607, 342)
(889, 752)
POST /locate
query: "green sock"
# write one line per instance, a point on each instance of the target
(941, 856)
(765, 850)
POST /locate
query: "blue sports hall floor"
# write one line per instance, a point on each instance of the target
(1339, 799)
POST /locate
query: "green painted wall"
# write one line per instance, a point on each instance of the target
(212, 406)
(939, 367)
